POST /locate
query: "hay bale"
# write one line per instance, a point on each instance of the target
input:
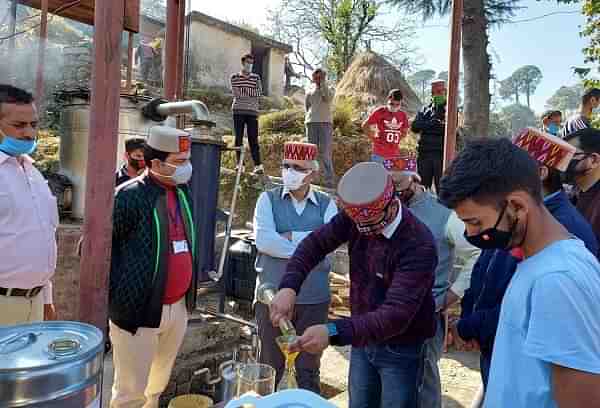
(369, 79)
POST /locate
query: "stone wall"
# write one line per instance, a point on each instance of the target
(215, 55)
(66, 278)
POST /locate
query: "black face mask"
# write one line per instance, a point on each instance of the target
(137, 164)
(569, 176)
(492, 238)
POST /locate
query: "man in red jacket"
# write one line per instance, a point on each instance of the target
(392, 264)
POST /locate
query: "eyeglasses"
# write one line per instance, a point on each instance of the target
(295, 167)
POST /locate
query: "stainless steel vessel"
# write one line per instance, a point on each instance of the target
(51, 365)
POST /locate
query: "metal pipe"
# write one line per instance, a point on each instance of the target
(129, 61)
(39, 87)
(198, 109)
(102, 150)
(180, 48)
(12, 30)
(453, 75)
(236, 187)
(223, 316)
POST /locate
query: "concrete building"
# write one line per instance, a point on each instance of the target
(216, 48)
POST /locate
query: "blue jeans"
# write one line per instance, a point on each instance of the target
(386, 376)
(431, 393)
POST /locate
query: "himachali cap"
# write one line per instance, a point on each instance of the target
(168, 139)
(405, 162)
(297, 151)
(549, 150)
(438, 86)
(366, 193)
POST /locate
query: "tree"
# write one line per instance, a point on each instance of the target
(420, 80)
(346, 27)
(479, 15)
(156, 9)
(528, 78)
(516, 117)
(566, 99)
(591, 31)
(510, 87)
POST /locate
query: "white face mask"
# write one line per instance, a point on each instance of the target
(182, 174)
(393, 108)
(292, 179)
(247, 67)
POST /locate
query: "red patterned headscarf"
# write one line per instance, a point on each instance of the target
(366, 193)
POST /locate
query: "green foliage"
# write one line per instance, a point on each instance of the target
(497, 11)
(346, 117)
(215, 98)
(516, 117)
(288, 121)
(528, 78)
(420, 81)
(509, 88)
(566, 98)
(498, 126)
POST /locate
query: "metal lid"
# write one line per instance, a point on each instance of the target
(43, 345)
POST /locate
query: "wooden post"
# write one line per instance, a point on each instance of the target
(39, 88)
(180, 48)
(102, 152)
(453, 82)
(171, 50)
(129, 61)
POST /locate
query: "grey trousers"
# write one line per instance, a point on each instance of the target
(431, 392)
(321, 134)
(307, 365)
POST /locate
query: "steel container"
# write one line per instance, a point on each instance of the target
(51, 365)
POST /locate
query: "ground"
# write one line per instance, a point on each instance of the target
(460, 377)
(459, 370)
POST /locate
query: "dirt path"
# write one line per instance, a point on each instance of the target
(460, 377)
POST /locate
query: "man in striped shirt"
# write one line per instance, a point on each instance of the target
(247, 89)
(589, 101)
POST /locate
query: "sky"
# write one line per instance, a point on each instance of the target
(552, 43)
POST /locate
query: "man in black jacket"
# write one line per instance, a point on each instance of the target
(152, 278)
(430, 123)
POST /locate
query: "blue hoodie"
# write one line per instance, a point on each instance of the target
(494, 269)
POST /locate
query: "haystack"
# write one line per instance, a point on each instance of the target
(369, 79)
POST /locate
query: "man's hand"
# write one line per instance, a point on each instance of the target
(282, 306)
(314, 340)
(50, 313)
(451, 299)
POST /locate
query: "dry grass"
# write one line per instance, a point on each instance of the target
(369, 79)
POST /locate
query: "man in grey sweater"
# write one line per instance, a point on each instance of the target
(456, 258)
(319, 123)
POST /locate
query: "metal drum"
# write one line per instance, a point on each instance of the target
(51, 365)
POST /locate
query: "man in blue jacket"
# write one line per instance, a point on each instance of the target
(494, 268)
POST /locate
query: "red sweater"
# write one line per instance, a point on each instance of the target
(391, 128)
(179, 264)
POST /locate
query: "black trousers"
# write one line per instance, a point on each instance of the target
(250, 124)
(430, 169)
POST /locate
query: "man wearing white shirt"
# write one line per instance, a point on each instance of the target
(284, 216)
(28, 216)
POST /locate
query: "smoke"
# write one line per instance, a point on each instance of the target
(19, 66)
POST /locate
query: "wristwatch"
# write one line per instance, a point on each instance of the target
(333, 333)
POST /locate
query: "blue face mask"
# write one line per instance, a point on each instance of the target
(16, 147)
(553, 129)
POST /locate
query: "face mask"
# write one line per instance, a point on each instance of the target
(439, 100)
(182, 173)
(247, 67)
(293, 180)
(405, 195)
(137, 164)
(388, 215)
(393, 108)
(16, 147)
(572, 173)
(553, 129)
(492, 238)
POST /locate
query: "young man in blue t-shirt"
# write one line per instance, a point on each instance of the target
(547, 347)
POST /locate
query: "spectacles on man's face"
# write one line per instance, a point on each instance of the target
(295, 167)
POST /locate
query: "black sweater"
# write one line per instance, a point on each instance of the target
(140, 244)
(431, 124)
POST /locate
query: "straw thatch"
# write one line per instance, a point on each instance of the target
(369, 79)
